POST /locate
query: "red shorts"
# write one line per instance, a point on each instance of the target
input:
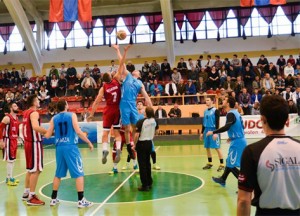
(10, 150)
(111, 117)
(34, 156)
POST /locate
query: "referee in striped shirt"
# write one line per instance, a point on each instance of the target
(145, 130)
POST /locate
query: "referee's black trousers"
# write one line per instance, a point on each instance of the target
(143, 149)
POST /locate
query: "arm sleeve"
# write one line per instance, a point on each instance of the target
(247, 177)
(139, 125)
(157, 126)
(217, 114)
(203, 128)
(230, 120)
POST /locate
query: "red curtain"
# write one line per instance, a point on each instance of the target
(268, 14)
(87, 27)
(291, 12)
(179, 19)
(243, 14)
(65, 28)
(194, 19)
(154, 22)
(131, 23)
(5, 32)
(109, 25)
(218, 17)
(48, 26)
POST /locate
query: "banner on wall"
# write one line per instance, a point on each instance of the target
(253, 126)
(93, 130)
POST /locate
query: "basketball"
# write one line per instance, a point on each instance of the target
(121, 35)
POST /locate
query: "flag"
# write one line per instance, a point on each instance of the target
(70, 10)
(250, 3)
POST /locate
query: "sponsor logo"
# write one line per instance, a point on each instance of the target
(242, 178)
(251, 124)
(283, 163)
(79, 164)
(232, 159)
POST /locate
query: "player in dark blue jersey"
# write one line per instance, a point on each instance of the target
(66, 133)
(235, 129)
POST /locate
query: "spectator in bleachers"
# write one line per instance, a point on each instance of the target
(288, 70)
(236, 63)
(113, 67)
(287, 94)
(203, 74)
(199, 62)
(239, 108)
(96, 73)
(77, 90)
(1, 78)
(29, 85)
(171, 90)
(223, 74)
(209, 63)
(193, 75)
(85, 114)
(190, 90)
(2, 94)
(86, 70)
(298, 60)
(272, 70)
(292, 106)
(2, 106)
(160, 113)
(226, 62)
(155, 68)
(96, 70)
(232, 73)
(256, 96)
(181, 88)
(297, 81)
(229, 85)
(10, 95)
(130, 67)
(190, 64)
(175, 112)
(218, 63)
(296, 95)
(52, 110)
(246, 62)
(267, 92)
(239, 85)
(165, 70)
(88, 85)
(145, 70)
(176, 76)
(297, 70)
(280, 83)
(36, 83)
(268, 83)
(245, 101)
(213, 79)
(248, 78)
(255, 109)
(262, 65)
(53, 85)
(43, 82)
(156, 90)
(6, 77)
(61, 86)
(15, 76)
(71, 75)
(53, 71)
(181, 66)
(23, 75)
(290, 81)
(201, 86)
(291, 60)
(63, 69)
(19, 100)
(277, 92)
(281, 64)
(44, 96)
(26, 94)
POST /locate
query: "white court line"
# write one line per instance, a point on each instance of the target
(115, 191)
(26, 171)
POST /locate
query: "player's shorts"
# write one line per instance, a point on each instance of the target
(68, 158)
(10, 150)
(129, 113)
(111, 117)
(235, 152)
(209, 142)
(34, 156)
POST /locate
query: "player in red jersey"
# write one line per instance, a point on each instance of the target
(9, 133)
(111, 91)
(32, 132)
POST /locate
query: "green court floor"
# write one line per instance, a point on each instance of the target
(181, 187)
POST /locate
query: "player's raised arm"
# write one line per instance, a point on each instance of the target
(122, 67)
(146, 96)
(96, 102)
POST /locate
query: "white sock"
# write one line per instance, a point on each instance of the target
(9, 166)
(134, 162)
(31, 194)
(115, 165)
(118, 144)
(26, 190)
(104, 146)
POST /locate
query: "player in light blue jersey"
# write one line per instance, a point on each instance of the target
(235, 129)
(66, 133)
(211, 122)
(131, 87)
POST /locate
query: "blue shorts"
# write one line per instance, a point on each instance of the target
(235, 152)
(129, 113)
(68, 158)
(209, 142)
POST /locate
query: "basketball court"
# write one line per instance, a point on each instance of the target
(181, 187)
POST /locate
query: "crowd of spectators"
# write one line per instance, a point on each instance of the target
(246, 81)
